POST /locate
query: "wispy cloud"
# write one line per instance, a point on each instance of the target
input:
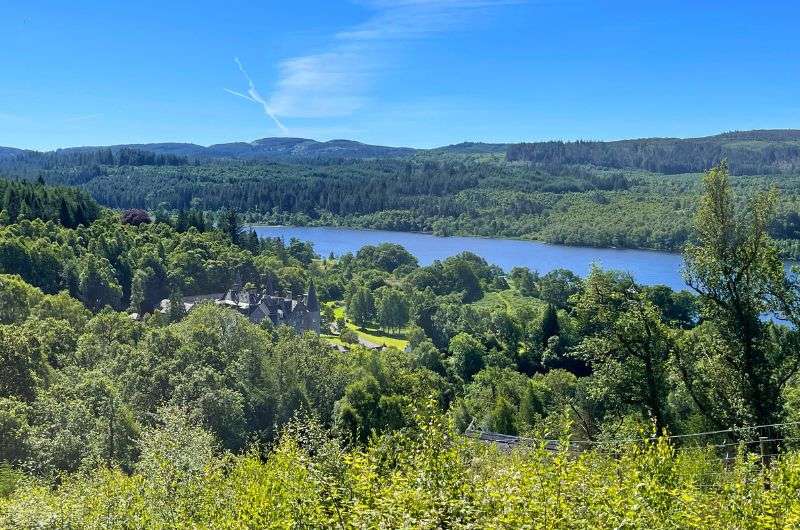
(255, 97)
(336, 82)
(408, 19)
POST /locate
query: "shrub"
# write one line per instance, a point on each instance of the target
(135, 217)
(349, 336)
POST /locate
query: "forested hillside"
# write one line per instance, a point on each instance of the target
(116, 415)
(608, 194)
(69, 207)
(265, 149)
(747, 152)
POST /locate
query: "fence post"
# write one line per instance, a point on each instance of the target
(765, 456)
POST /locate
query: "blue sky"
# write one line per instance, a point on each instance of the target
(405, 72)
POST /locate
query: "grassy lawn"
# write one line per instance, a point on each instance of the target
(333, 339)
(507, 300)
(376, 336)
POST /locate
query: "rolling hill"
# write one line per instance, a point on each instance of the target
(263, 149)
(630, 193)
(748, 153)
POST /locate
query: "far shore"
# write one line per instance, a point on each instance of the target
(472, 236)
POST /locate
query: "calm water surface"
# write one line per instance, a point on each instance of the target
(647, 267)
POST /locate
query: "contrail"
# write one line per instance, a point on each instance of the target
(255, 97)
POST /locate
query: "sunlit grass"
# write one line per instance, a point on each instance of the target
(506, 300)
(333, 339)
(375, 336)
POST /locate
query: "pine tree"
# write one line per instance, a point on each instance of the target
(12, 203)
(182, 221)
(197, 219)
(549, 326)
(252, 243)
(231, 225)
(25, 212)
(64, 215)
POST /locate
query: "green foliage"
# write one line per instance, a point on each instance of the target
(421, 479)
(174, 456)
(463, 274)
(634, 193)
(524, 280)
(204, 419)
(9, 478)
(98, 288)
(16, 299)
(392, 309)
(66, 206)
(80, 421)
(386, 257)
(736, 270)
(211, 362)
(426, 355)
(467, 356)
(557, 286)
(549, 327)
(302, 251)
(119, 265)
(348, 336)
(361, 308)
(770, 151)
(627, 345)
(14, 432)
(177, 309)
(231, 225)
(22, 365)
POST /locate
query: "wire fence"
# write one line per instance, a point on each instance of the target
(739, 455)
(765, 441)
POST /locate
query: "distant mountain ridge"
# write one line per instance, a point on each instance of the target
(467, 148)
(7, 152)
(748, 152)
(277, 148)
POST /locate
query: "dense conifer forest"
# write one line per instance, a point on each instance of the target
(116, 414)
(747, 152)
